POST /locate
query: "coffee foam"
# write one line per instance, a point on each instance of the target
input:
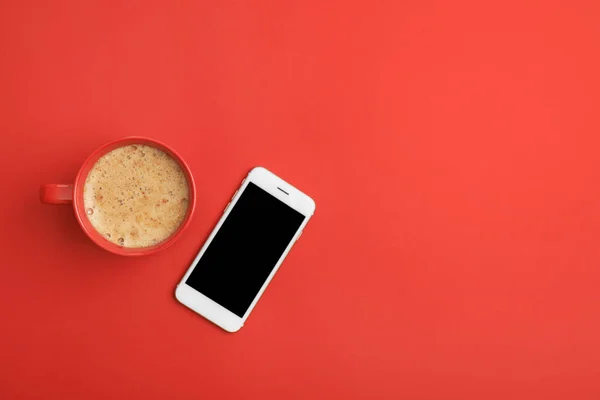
(136, 196)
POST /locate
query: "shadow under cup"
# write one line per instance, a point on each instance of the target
(48, 195)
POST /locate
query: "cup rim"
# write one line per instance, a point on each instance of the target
(86, 225)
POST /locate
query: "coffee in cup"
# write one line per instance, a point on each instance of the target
(136, 196)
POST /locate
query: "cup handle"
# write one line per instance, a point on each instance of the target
(53, 193)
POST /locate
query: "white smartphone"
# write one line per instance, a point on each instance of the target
(259, 226)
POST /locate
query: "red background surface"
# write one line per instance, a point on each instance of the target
(452, 150)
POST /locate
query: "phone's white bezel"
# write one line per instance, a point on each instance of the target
(272, 184)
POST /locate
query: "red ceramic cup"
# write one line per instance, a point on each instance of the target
(73, 194)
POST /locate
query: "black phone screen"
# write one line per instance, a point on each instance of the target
(245, 250)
